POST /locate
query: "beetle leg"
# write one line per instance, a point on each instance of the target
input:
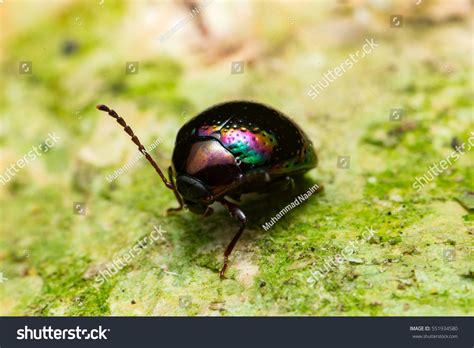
(234, 197)
(239, 215)
(286, 183)
(178, 197)
(290, 183)
(209, 211)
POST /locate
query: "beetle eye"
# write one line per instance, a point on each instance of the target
(192, 189)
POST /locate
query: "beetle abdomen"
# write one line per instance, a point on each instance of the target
(261, 138)
(251, 146)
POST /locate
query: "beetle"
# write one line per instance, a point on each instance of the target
(228, 150)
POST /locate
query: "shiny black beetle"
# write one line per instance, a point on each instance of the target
(228, 150)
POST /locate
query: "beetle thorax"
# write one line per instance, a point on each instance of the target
(209, 171)
(207, 154)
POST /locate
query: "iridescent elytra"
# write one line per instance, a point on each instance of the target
(228, 150)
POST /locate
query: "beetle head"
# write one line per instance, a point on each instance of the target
(206, 170)
(196, 195)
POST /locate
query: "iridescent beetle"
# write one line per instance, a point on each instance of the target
(228, 150)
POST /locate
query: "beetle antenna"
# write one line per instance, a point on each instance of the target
(137, 142)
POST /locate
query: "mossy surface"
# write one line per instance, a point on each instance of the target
(419, 262)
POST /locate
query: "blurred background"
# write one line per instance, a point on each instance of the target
(160, 63)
